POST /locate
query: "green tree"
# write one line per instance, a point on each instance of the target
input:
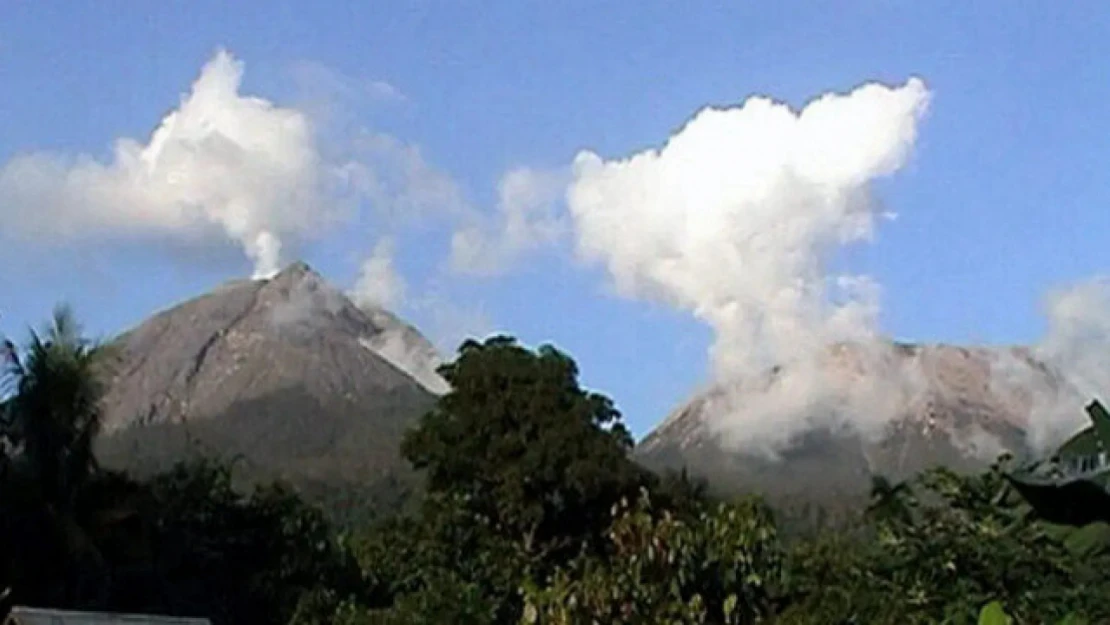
(524, 447)
(54, 412)
(722, 566)
(237, 558)
(412, 560)
(952, 544)
(51, 518)
(73, 535)
(522, 466)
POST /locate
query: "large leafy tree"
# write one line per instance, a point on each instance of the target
(447, 565)
(523, 446)
(241, 558)
(720, 566)
(522, 466)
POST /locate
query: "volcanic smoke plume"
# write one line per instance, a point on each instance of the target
(220, 165)
(735, 220)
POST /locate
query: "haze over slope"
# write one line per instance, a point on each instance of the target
(892, 411)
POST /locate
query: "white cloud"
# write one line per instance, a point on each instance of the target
(528, 216)
(735, 217)
(734, 220)
(393, 176)
(224, 165)
(398, 182)
(325, 85)
(1078, 336)
(221, 161)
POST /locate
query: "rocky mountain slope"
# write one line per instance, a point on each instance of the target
(941, 404)
(291, 379)
(285, 375)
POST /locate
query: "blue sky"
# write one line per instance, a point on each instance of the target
(1002, 198)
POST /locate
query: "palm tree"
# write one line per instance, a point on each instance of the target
(51, 405)
(54, 413)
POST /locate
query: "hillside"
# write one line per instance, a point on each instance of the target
(286, 376)
(944, 405)
(292, 380)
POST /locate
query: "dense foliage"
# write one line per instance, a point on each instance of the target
(531, 512)
(720, 566)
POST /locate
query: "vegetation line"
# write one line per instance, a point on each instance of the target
(530, 511)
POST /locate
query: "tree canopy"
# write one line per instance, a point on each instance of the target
(524, 446)
(531, 512)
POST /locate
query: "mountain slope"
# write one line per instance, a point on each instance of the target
(934, 405)
(285, 375)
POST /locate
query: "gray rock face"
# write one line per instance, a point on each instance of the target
(404, 347)
(954, 406)
(284, 374)
(245, 340)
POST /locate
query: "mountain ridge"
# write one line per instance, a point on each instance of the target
(282, 375)
(941, 404)
(298, 382)
(219, 328)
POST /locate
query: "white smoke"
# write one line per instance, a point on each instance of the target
(308, 301)
(528, 216)
(220, 160)
(1078, 336)
(849, 387)
(378, 284)
(378, 289)
(409, 352)
(735, 220)
(1076, 348)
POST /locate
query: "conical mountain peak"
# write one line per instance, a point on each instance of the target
(286, 373)
(252, 338)
(296, 271)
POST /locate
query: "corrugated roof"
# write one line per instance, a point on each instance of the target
(39, 616)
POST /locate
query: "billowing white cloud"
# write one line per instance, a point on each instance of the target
(224, 165)
(221, 161)
(529, 215)
(735, 218)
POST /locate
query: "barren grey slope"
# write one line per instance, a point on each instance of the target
(281, 373)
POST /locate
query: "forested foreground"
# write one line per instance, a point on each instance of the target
(531, 513)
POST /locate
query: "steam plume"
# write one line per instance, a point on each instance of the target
(378, 283)
(735, 218)
(221, 160)
(1076, 347)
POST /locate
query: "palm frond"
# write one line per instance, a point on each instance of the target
(54, 407)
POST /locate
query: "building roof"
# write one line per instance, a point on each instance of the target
(40, 616)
